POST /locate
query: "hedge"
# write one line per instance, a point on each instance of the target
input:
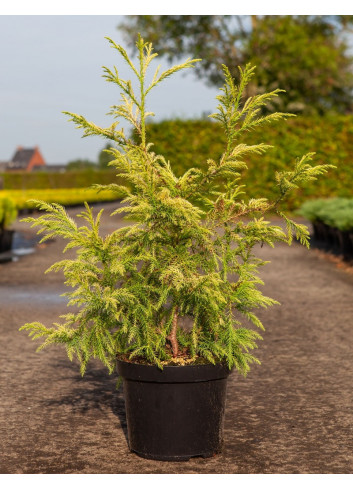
(188, 143)
(69, 179)
(64, 196)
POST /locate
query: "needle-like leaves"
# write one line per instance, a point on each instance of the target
(185, 271)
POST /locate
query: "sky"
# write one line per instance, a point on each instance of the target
(52, 63)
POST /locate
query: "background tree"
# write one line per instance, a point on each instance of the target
(104, 158)
(80, 164)
(83, 164)
(305, 55)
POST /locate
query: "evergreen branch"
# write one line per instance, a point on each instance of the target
(123, 53)
(189, 63)
(303, 172)
(301, 231)
(91, 129)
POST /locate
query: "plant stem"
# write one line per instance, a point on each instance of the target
(142, 101)
(173, 337)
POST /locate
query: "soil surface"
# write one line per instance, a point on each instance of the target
(293, 414)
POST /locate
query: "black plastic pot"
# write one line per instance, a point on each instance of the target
(321, 235)
(335, 241)
(350, 236)
(175, 413)
(6, 237)
(346, 246)
(318, 232)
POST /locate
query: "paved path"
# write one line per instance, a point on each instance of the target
(292, 414)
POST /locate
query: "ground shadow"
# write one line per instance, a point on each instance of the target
(97, 390)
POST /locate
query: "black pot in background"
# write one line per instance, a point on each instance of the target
(321, 235)
(333, 240)
(350, 237)
(6, 237)
(175, 413)
(317, 232)
(346, 245)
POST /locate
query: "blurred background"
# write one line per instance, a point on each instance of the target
(52, 63)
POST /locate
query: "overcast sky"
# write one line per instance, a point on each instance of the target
(54, 63)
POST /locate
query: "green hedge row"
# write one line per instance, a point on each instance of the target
(337, 212)
(187, 143)
(63, 196)
(70, 179)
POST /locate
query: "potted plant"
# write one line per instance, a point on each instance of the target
(8, 214)
(165, 296)
(335, 216)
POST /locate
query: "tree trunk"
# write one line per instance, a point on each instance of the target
(173, 337)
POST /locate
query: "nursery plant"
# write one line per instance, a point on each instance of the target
(168, 292)
(8, 212)
(336, 212)
(332, 221)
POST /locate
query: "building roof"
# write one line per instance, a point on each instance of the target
(22, 157)
(26, 159)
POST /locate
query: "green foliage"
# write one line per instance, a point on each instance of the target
(202, 139)
(331, 137)
(64, 196)
(8, 212)
(337, 213)
(314, 66)
(46, 180)
(190, 252)
(306, 55)
(104, 158)
(80, 165)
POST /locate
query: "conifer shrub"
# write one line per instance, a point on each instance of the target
(190, 253)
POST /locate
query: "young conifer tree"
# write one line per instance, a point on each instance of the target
(190, 252)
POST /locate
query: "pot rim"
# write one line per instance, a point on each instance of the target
(171, 373)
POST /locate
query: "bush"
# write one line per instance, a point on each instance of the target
(8, 212)
(337, 212)
(331, 137)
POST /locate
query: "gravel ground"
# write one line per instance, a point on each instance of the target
(293, 414)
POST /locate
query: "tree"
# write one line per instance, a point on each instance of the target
(189, 252)
(104, 158)
(305, 55)
(80, 164)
